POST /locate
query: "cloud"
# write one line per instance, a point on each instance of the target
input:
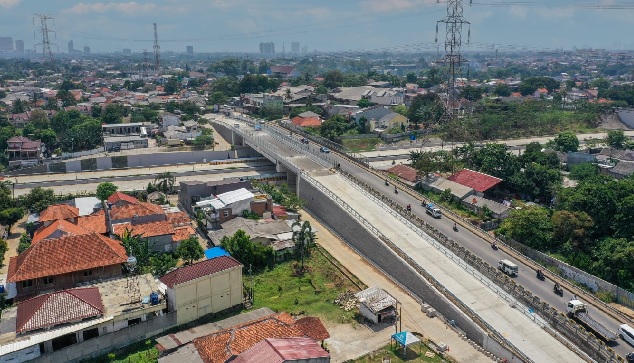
(394, 5)
(9, 3)
(124, 8)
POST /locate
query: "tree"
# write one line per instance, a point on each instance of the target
(18, 106)
(4, 247)
(190, 250)
(162, 263)
(364, 102)
(139, 247)
(113, 113)
(566, 141)
(584, 171)
(571, 227)
(424, 162)
(10, 216)
(217, 98)
(616, 139)
(25, 242)
(614, 261)
(51, 104)
(529, 225)
(411, 77)
(400, 109)
(334, 126)
(105, 190)
(38, 199)
(171, 86)
(66, 97)
(502, 90)
(472, 93)
(249, 253)
(304, 238)
(425, 109)
(164, 182)
(333, 79)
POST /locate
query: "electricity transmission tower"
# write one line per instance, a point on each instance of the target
(453, 40)
(43, 29)
(145, 63)
(157, 54)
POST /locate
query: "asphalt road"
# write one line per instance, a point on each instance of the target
(477, 245)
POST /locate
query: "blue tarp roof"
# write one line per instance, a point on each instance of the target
(215, 252)
(405, 338)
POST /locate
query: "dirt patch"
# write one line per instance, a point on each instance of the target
(350, 341)
(13, 241)
(612, 122)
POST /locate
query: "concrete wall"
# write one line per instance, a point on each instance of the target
(209, 294)
(109, 342)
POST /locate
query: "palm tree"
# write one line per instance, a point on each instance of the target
(164, 182)
(288, 96)
(304, 238)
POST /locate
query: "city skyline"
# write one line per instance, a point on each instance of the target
(241, 25)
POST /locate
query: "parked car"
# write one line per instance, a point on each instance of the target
(629, 357)
(324, 149)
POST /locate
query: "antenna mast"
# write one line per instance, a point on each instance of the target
(157, 49)
(453, 40)
(43, 29)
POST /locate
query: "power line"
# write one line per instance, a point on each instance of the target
(44, 30)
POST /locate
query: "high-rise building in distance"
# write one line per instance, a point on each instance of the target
(190, 49)
(267, 48)
(304, 50)
(6, 44)
(71, 49)
(19, 46)
(86, 49)
(127, 51)
(295, 47)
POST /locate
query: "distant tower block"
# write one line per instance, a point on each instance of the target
(295, 47)
(190, 49)
(19, 46)
(157, 51)
(86, 49)
(71, 49)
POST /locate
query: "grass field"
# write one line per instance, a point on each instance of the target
(415, 354)
(312, 294)
(356, 145)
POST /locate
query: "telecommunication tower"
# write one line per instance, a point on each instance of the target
(44, 30)
(145, 63)
(453, 40)
(157, 53)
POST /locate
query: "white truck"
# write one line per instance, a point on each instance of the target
(508, 267)
(433, 211)
(578, 311)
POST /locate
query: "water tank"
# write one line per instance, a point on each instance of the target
(154, 298)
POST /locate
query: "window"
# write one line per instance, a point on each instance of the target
(27, 283)
(48, 280)
(87, 273)
(226, 213)
(134, 321)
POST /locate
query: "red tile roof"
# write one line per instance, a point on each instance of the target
(200, 269)
(118, 197)
(273, 350)
(182, 233)
(57, 308)
(57, 229)
(404, 172)
(475, 180)
(128, 211)
(65, 255)
(306, 121)
(179, 219)
(313, 328)
(95, 222)
(59, 211)
(152, 229)
(220, 346)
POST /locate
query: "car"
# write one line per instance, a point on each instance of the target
(324, 149)
(629, 357)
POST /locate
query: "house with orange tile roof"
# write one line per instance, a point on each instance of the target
(57, 212)
(159, 234)
(219, 347)
(57, 229)
(203, 288)
(284, 350)
(119, 199)
(60, 263)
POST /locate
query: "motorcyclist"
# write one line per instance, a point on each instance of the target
(386, 182)
(395, 190)
(409, 207)
(455, 226)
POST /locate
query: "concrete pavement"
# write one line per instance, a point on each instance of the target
(414, 320)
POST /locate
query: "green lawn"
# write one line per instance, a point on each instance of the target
(140, 352)
(395, 355)
(311, 294)
(356, 145)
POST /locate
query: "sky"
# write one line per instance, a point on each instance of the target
(321, 25)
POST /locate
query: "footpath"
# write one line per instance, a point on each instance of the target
(413, 319)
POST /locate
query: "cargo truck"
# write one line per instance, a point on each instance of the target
(578, 311)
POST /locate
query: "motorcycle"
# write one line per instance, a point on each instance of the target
(558, 290)
(540, 275)
(409, 208)
(455, 228)
(494, 246)
(395, 190)
(386, 183)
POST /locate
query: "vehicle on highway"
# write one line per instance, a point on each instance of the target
(433, 211)
(626, 333)
(304, 140)
(558, 289)
(508, 267)
(578, 311)
(540, 275)
(236, 125)
(629, 357)
(324, 149)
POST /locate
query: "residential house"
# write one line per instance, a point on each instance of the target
(59, 211)
(406, 173)
(621, 170)
(390, 121)
(376, 305)
(191, 192)
(477, 204)
(541, 93)
(54, 264)
(479, 182)
(23, 151)
(283, 71)
(169, 119)
(119, 199)
(439, 184)
(19, 120)
(223, 345)
(226, 206)
(203, 288)
(307, 119)
(87, 205)
(285, 350)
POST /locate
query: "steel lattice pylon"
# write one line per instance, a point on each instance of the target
(43, 29)
(453, 40)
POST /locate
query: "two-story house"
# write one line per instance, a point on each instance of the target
(23, 151)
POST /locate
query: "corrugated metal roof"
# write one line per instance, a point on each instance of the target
(235, 196)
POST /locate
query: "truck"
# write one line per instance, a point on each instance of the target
(508, 267)
(578, 311)
(433, 211)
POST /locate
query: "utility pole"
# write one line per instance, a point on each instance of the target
(43, 29)
(453, 40)
(145, 63)
(157, 54)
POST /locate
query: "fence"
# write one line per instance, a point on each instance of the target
(82, 153)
